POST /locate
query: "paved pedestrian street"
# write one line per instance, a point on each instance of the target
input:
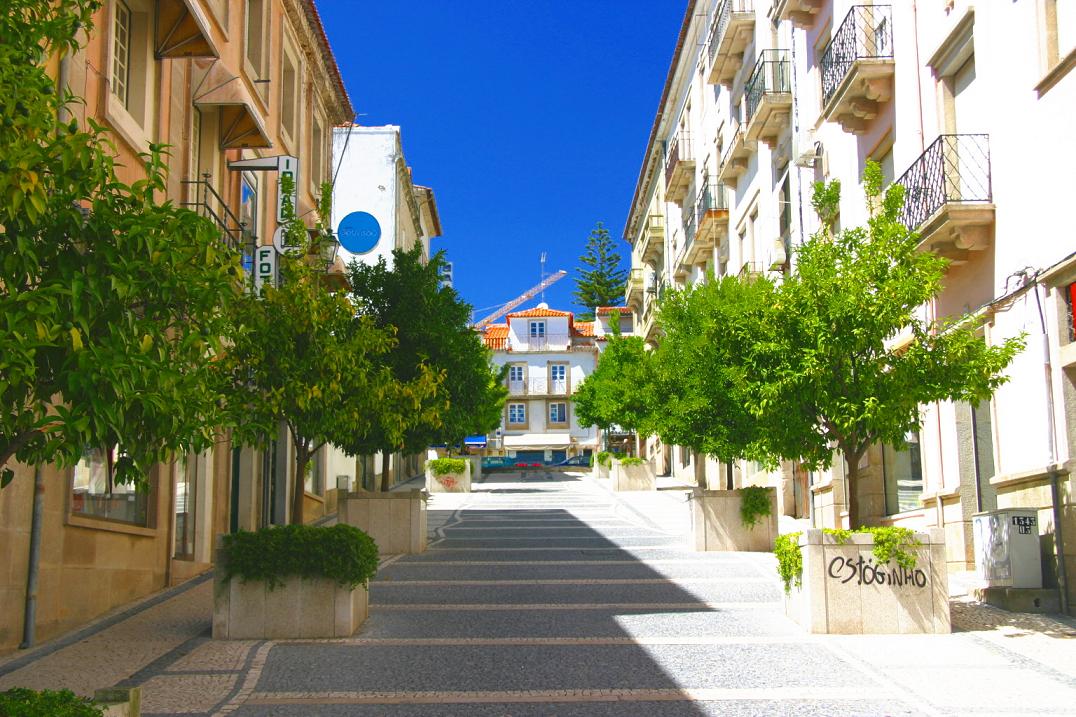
(547, 595)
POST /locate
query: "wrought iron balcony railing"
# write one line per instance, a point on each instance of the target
(865, 33)
(211, 205)
(721, 22)
(679, 151)
(954, 168)
(711, 198)
(689, 224)
(772, 75)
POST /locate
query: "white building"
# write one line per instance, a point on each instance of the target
(765, 98)
(376, 208)
(548, 354)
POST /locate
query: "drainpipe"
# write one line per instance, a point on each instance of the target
(34, 561)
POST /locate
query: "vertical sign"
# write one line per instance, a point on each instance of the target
(264, 267)
(287, 167)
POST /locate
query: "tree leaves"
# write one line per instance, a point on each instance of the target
(603, 283)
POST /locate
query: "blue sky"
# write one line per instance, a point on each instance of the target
(528, 119)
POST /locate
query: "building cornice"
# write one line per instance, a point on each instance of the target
(328, 82)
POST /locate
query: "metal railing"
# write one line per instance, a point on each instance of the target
(721, 22)
(954, 168)
(690, 223)
(865, 33)
(679, 151)
(772, 75)
(538, 386)
(731, 148)
(549, 342)
(209, 204)
(711, 198)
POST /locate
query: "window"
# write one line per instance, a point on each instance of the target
(558, 377)
(186, 500)
(313, 482)
(93, 493)
(517, 413)
(885, 160)
(1060, 33)
(558, 413)
(121, 54)
(537, 329)
(317, 152)
(255, 37)
(289, 94)
(902, 470)
(517, 373)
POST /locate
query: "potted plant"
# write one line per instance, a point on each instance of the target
(600, 464)
(292, 581)
(630, 473)
(743, 519)
(448, 475)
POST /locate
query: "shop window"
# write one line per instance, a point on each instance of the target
(94, 494)
(902, 470)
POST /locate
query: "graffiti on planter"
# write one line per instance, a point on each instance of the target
(865, 572)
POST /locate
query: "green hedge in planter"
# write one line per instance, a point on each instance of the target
(447, 466)
(341, 553)
(890, 543)
(602, 458)
(631, 461)
(754, 504)
(21, 702)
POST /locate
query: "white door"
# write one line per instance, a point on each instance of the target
(966, 156)
(517, 377)
(558, 374)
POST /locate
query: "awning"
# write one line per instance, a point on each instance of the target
(479, 441)
(240, 122)
(538, 440)
(182, 30)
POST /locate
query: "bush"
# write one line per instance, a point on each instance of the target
(342, 553)
(631, 461)
(789, 560)
(754, 504)
(446, 466)
(21, 702)
(603, 458)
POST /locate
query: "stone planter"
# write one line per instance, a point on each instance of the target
(476, 467)
(717, 525)
(119, 701)
(300, 608)
(449, 482)
(396, 521)
(599, 471)
(633, 477)
(845, 592)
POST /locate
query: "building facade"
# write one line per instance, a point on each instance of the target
(378, 209)
(548, 354)
(220, 82)
(763, 99)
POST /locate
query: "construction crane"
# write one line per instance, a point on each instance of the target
(528, 294)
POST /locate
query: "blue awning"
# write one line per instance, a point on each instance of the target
(479, 441)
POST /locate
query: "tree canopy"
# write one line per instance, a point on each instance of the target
(620, 390)
(433, 330)
(113, 301)
(602, 282)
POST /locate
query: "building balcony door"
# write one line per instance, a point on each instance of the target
(558, 378)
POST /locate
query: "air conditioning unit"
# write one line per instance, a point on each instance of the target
(1007, 548)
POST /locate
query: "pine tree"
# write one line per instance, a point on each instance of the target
(602, 282)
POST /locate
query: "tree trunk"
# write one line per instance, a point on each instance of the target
(386, 476)
(302, 457)
(851, 489)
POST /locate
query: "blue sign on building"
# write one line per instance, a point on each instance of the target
(359, 232)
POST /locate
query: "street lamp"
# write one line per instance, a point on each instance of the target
(323, 246)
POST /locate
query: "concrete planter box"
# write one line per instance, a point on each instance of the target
(396, 521)
(845, 592)
(476, 467)
(300, 608)
(717, 525)
(599, 471)
(633, 477)
(449, 482)
(119, 701)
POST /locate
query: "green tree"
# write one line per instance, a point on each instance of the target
(621, 389)
(433, 329)
(112, 299)
(602, 282)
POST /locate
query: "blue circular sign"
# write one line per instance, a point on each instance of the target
(359, 232)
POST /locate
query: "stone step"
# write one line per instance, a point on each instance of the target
(545, 594)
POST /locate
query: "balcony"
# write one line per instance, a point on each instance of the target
(948, 196)
(633, 297)
(549, 342)
(737, 156)
(857, 68)
(539, 386)
(801, 13)
(679, 167)
(768, 97)
(205, 201)
(712, 222)
(652, 241)
(752, 270)
(730, 33)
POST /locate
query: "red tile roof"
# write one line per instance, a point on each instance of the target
(496, 336)
(538, 313)
(606, 310)
(584, 328)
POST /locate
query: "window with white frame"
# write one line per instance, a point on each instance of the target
(558, 413)
(517, 373)
(517, 413)
(537, 329)
(121, 53)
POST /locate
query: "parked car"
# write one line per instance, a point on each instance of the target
(574, 461)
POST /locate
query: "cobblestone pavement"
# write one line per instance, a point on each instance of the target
(548, 595)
